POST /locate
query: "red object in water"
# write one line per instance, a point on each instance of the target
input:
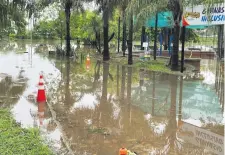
(41, 91)
(88, 62)
(41, 112)
(123, 151)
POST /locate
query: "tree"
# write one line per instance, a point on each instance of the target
(124, 4)
(144, 9)
(106, 30)
(78, 6)
(130, 44)
(68, 5)
(12, 15)
(107, 7)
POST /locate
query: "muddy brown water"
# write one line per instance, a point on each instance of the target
(98, 108)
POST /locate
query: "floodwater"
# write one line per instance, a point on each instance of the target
(96, 108)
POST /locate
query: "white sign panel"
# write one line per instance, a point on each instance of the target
(145, 44)
(202, 138)
(198, 15)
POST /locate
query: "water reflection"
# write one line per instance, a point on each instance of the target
(18, 88)
(147, 112)
(133, 121)
(219, 84)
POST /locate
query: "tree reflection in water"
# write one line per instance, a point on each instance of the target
(129, 83)
(117, 79)
(123, 83)
(172, 124)
(110, 123)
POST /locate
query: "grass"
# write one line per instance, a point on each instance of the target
(154, 65)
(15, 140)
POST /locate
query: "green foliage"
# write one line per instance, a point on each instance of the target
(12, 35)
(17, 141)
(81, 26)
(12, 16)
(46, 29)
(113, 24)
(22, 34)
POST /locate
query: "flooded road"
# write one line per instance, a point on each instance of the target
(96, 108)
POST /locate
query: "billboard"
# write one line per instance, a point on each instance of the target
(203, 15)
(202, 138)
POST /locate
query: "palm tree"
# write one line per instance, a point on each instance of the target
(130, 44)
(106, 6)
(123, 5)
(78, 6)
(106, 30)
(68, 5)
(144, 9)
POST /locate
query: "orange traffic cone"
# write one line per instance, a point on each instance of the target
(41, 112)
(41, 91)
(88, 62)
(123, 151)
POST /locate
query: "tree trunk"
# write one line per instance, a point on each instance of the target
(67, 12)
(168, 41)
(99, 41)
(220, 41)
(143, 38)
(130, 41)
(182, 52)
(175, 47)
(106, 33)
(124, 34)
(118, 35)
(155, 36)
(166, 38)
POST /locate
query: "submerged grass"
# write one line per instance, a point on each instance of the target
(15, 140)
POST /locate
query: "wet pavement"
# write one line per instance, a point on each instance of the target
(96, 108)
